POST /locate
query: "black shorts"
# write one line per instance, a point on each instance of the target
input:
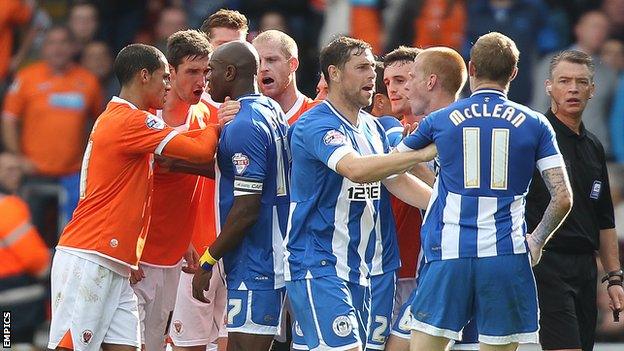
(566, 286)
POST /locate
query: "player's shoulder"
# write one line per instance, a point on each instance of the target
(320, 114)
(389, 122)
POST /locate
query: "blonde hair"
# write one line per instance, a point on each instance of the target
(447, 64)
(285, 42)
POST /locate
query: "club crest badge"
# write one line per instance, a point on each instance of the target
(177, 326)
(342, 326)
(86, 336)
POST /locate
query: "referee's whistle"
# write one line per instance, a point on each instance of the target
(616, 315)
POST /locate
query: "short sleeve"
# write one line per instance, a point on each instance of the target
(14, 100)
(547, 154)
(420, 138)
(146, 133)
(247, 145)
(393, 129)
(327, 142)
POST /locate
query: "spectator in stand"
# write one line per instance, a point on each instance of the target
(24, 258)
(521, 20)
(614, 9)
(441, 23)
(83, 22)
(13, 14)
(97, 58)
(366, 23)
(273, 20)
(44, 122)
(171, 20)
(592, 30)
(612, 55)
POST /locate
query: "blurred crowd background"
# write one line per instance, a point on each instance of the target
(35, 43)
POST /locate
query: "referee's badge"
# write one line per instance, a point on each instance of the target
(595, 190)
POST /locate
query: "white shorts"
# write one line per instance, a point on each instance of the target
(92, 303)
(157, 295)
(195, 323)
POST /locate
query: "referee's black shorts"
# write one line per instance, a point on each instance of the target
(566, 286)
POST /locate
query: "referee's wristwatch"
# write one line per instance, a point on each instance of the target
(618, 275)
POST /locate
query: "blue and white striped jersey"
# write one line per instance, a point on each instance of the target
(335, 227)
(253, 158)
(488, 147)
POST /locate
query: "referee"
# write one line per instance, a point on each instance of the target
(566, 274)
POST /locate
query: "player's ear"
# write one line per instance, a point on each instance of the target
(230, 73)
(293, 64)
(433, 79)
(334, 73)
(144, 75)
(472, 71)
(548, 85)
(514, 73)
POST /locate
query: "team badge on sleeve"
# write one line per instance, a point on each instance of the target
(154, 122)
(240, 162)
(334, 137)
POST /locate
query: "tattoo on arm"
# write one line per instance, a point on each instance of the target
(558, 185)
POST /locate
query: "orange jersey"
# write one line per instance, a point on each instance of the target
(53, 110)
(204, 230)
(302, 104)
(21, 248)
(116, 181)
(441, 25)
(174, 205)
(12, 14)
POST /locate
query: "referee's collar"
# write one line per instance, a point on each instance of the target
(557, 124)
(489, 91)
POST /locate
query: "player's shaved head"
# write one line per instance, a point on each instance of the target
(234, 66)
(135, 57)
(445, 63)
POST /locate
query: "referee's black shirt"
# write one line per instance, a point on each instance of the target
(592, 208)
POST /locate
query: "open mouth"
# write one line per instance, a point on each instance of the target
(198, 92)
(368, 88)
(268, 81)
(573, 101)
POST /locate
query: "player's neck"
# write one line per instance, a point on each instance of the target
(481, 85)
(572, 121)
(288, 97)
(133, 96)
(175, 110)
(349, 110)
(241, 88)
(439, 102)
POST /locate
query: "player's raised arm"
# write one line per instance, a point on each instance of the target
(199, 147)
